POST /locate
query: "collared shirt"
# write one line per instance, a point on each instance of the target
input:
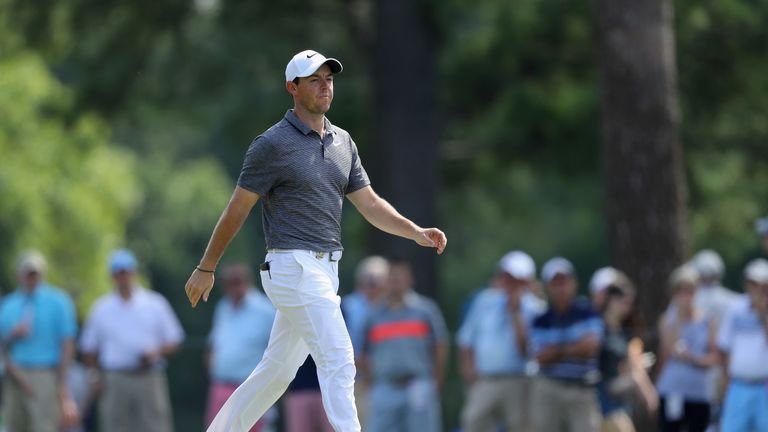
(239, 336)
(682, 378)
(744, 338)
(121, 331)
(489, 332)
(302, 179)
(356, 308)
(551, 329)
(400, 341)
(50, 315)
(715, 301)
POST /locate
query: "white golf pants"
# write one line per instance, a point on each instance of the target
(303, 287)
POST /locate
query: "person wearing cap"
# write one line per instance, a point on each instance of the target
(686, 352)
(601, 279)
(622, 369)
(743, 344)
(493, 343)
(232, 353)
(370, 284)
(128, 335)
(712, 298)
(404, 356)
(565, 342)
(303, 167)
(37, 327)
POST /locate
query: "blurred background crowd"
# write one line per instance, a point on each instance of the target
(534, 354)
(609, 132)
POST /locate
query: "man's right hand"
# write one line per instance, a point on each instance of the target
(199, 286)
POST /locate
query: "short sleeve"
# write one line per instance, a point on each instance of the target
(89, 337)
(5, 322)
(437, 322)
(68, 321)
(467, 332)
(259, 174)
(172, 333)
(725, 333)
(358, 178)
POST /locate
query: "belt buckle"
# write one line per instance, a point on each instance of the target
(319, 255)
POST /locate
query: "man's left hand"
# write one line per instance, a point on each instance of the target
(432, 237)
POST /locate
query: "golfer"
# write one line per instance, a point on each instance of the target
(302, 167)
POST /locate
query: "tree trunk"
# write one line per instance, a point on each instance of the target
(405, 169)
(641, 150)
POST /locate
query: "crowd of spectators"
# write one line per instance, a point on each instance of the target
(534, 354)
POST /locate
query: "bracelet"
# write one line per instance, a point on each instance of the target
(198, 268)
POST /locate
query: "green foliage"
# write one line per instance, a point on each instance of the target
(64, 190)
(184, 86)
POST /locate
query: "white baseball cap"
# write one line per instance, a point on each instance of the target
(31, 261)
(519, 265)
(757, 271)
(602, 279)
(308, 62)
(556, 266)
(708, 263)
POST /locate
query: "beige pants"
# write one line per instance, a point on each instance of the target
(493, 401)
(133, 402)
(564, 407)
(32, 414)
(618, 421)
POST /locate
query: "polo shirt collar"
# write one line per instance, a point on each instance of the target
(293, 119)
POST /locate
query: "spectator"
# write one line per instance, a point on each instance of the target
(494, 349)
(687, 351)
(370, 284)
(743, 342)
(233, 353)
(404, 355)
(304, 402)
(38, 327)
(622, 367)
(714, 301)
(565, 341)
(712, 298)
(601, 280)
(761, 227)
(128, 334)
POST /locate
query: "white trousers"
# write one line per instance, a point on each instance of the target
(304, 289)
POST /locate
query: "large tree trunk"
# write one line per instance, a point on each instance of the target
(405, 169)
(642, 154)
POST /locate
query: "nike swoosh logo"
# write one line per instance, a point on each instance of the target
(311, 55)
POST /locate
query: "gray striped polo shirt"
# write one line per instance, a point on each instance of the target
(302, 179)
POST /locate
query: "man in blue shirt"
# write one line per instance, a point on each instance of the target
(404, 357)
(493, 340)
(233, 353)
(565, 341)
(37, 326)
(743, 343)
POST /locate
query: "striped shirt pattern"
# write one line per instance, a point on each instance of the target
(302, 179)
(400, 341)
(551, 329)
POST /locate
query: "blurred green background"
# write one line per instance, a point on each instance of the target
(124, 124)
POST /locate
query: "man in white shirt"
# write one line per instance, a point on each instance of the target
(232, 353)
(743, 342)
(128, 335)
(712, 298)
